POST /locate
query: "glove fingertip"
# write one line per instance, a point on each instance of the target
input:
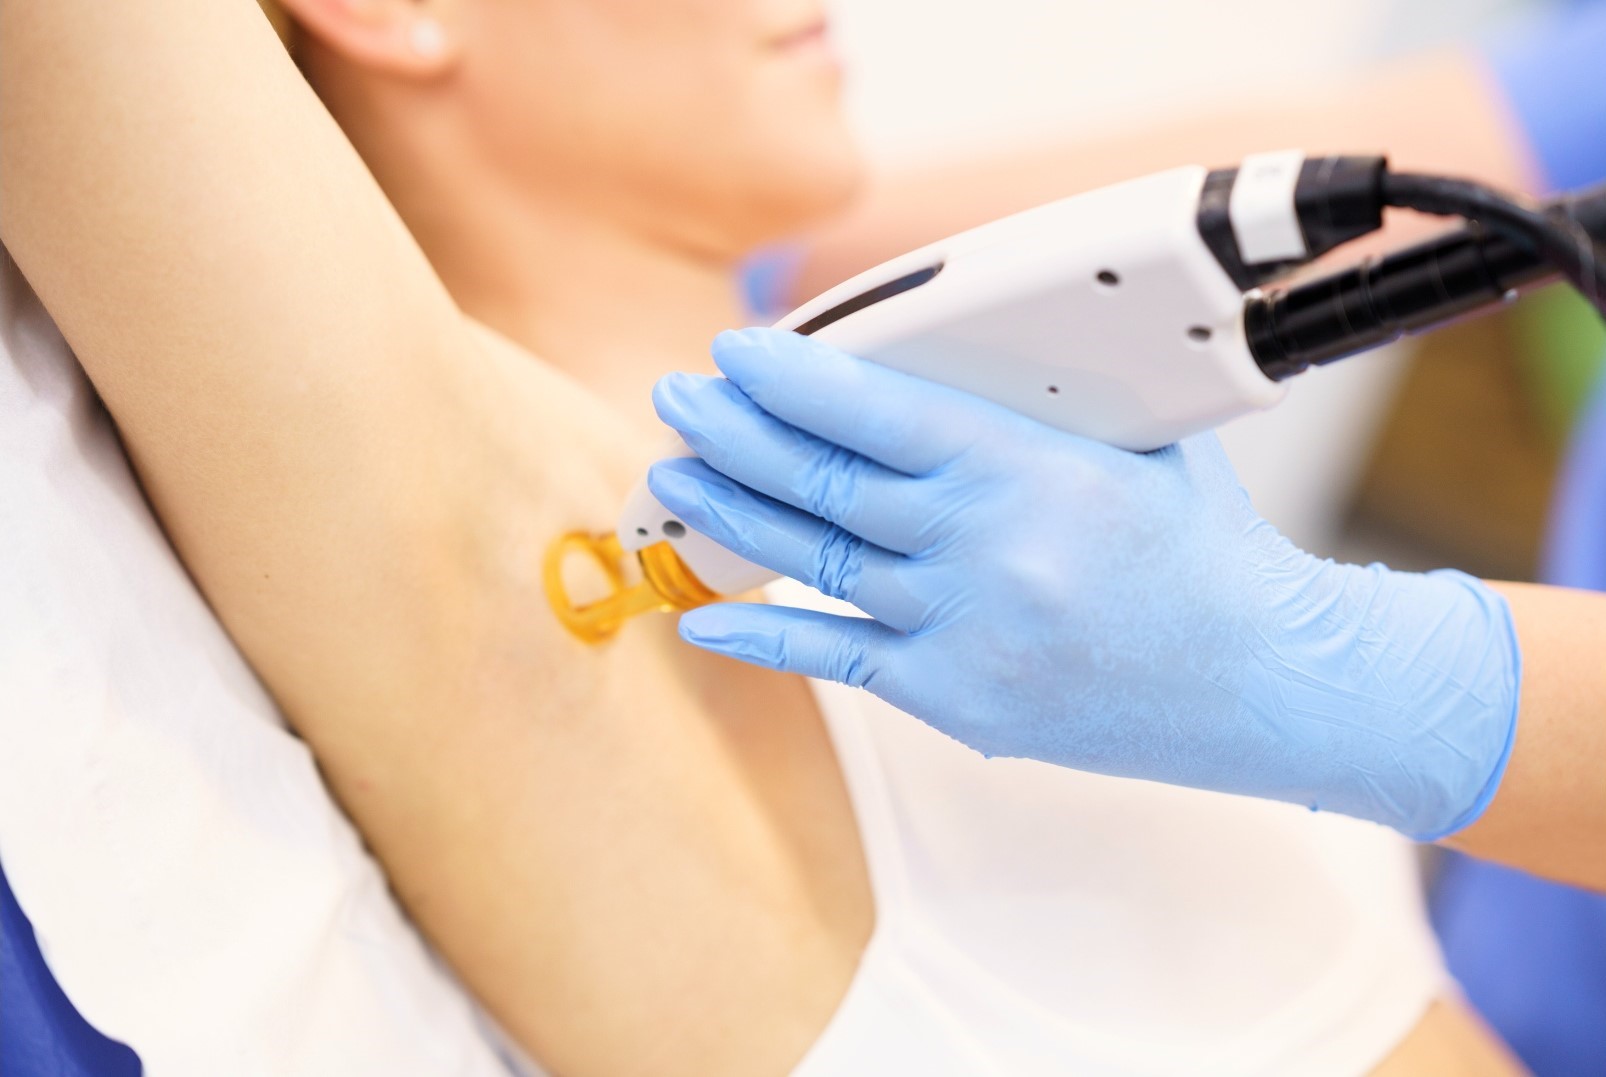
(736, 631)
(741, 354)
(731, 339)
(722, 625)
(674, 487)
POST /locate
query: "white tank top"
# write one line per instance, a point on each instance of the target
(1035, 920)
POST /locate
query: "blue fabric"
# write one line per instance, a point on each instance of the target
(41, 1034)
(1550, 69)
(767, 281)
(1531, 954)
(1575, 554)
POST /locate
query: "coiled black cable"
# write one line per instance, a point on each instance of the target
(1555, 232)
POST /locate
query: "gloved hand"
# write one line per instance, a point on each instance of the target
(1042, 595)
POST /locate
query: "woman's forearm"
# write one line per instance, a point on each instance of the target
(1549, 815)
(1440, 111)
(273, 346)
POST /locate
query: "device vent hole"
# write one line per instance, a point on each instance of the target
(1109, 278)
(1200, 334)
(674, 529)
(1054, 389)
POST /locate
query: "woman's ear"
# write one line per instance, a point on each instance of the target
(411, 38)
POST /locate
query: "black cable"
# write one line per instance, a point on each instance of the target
(1552, 231)
(1319, 320)
(1506, 243)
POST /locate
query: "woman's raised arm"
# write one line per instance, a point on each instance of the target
(283, 365)
(362, 485)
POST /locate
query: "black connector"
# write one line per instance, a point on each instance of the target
(1337, 199)
(1381, 300)
(1214, 222)
(1508, 244)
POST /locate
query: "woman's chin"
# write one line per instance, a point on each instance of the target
(814, 192)
(834, 192)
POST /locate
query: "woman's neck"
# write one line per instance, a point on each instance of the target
(615, 310)
(613, 306)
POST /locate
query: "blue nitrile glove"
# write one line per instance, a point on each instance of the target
(1042, 595)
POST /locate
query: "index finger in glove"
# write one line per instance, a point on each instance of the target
(907, 423)
(743, 441)
(791, 542)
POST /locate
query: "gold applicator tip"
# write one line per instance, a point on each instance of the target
(666, 585)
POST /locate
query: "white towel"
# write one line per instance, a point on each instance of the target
(195, 890)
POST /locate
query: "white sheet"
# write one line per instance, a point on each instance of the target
(194, 888)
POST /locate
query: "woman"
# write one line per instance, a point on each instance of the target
(641, 858)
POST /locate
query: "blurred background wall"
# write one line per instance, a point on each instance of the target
(1437, 458)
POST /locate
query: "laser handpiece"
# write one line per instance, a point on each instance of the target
(1138, 314)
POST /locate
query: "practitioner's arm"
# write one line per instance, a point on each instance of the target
(1549, 815)
(1439, 112)
(362, 487)
(1042, 595)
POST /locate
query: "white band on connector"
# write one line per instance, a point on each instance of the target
(1264, 220)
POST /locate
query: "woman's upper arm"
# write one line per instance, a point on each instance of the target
(286, 370)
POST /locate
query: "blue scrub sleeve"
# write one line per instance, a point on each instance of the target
(1551, 71)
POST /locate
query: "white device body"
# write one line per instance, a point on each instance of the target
(1103, 314)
